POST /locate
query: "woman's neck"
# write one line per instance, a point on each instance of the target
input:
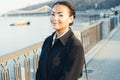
(61, 32)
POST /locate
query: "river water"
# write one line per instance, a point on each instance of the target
(14, 38)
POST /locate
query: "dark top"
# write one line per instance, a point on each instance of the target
(62, 61)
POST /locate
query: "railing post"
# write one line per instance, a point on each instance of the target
(35, 63)
(17, 70)
(5, 72)
(27, 68)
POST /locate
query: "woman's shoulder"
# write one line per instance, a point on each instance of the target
(49, 38)
(75, 41)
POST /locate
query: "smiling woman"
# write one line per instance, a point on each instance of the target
(62, 55)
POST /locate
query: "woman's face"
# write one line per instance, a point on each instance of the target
(60, 17)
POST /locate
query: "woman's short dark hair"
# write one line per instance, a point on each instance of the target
(70, 6)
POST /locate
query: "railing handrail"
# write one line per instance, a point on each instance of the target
(89, 26)
(8, 57)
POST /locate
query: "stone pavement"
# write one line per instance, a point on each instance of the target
(105, 65)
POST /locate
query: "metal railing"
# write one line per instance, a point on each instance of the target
(15, 58)
(90, 36)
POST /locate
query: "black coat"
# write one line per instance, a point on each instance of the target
(62, 61)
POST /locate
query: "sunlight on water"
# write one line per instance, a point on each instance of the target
(13, 38)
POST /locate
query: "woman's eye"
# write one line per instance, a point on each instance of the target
(52, 14)
(61, 15)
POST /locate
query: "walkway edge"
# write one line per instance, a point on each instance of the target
(89, 55)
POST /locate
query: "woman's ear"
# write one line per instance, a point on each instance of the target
(71, 19)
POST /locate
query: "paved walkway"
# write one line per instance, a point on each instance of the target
(105, 65)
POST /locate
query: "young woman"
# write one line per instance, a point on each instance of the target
(62, 55)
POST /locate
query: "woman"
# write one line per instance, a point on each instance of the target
(62, 55)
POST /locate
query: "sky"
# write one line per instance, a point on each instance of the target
(8, 5)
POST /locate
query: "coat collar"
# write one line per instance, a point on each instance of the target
(65, 37)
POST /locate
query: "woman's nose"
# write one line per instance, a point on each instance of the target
(55, 17)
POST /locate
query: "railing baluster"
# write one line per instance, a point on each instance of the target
(35, 63)
(27, 68)
(5, 72)
(17, 70)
